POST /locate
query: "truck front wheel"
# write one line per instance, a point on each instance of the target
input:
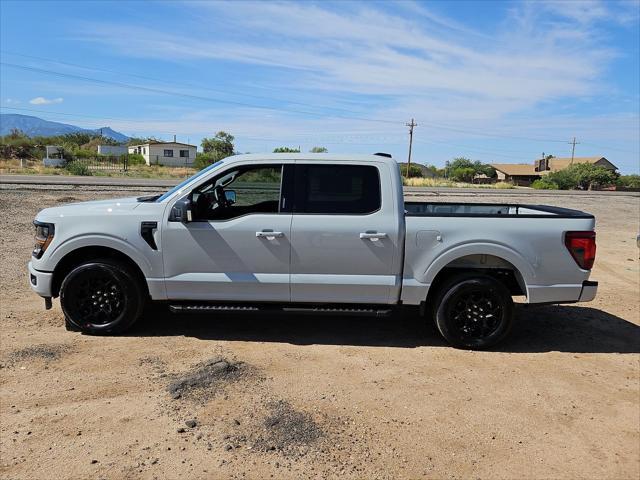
(101, 297)
(473, 311)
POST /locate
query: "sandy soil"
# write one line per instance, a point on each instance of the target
(287, 397)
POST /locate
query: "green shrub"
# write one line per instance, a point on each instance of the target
(205, 159)
(76, 167)
(545, 184)
(414, 170)
(584, 176)
(83, 153)
(286, 150)
(462, 174)
(136, 159)
(628, 181)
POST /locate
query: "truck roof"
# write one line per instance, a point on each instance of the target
(312, 156)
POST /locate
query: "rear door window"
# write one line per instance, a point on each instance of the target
(337, 189)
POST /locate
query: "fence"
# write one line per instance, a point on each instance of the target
(110, 163)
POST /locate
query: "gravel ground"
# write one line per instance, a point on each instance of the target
(288, 397)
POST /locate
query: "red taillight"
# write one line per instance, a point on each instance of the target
(582, 246)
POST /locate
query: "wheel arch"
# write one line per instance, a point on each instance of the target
(82, 254)
(489, 259)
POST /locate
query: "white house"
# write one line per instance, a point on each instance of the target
(173, 154)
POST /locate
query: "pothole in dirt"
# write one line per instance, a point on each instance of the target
(285, 429)
(46, 352)
(205, 379)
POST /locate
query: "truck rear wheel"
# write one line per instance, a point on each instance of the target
(473, 311)
(101, 297)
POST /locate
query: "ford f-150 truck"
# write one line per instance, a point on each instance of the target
(310, 233)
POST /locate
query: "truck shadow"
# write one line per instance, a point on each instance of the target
(536, 329)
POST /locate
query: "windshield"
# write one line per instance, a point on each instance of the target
(190, 179)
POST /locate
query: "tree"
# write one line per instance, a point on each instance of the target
(286, 150)
(15, 134)
(79, 138)
(220, 145)
(588, 176)
(216, 148)
(462, 174)
(584, 176)
(462, 169)
(434, 171)
(629, 181)
(318, 150)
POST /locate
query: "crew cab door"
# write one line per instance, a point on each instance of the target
(346, 236)
(234, 249)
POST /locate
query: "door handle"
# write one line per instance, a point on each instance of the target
(373, 236)
(269, 234)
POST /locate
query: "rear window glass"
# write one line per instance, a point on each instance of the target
(337, 189)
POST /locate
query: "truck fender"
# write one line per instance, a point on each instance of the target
(523, 267)
(107, 241)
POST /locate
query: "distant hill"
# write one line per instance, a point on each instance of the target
(34, 126)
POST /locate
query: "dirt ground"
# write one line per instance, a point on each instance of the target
(296, 397)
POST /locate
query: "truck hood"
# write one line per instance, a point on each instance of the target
(90, 208)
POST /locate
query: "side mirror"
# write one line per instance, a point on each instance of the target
(181, 211)
(230, 195)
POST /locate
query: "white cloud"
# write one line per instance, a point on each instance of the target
(45, 101)
(396, 61)
(586, 12)
(371, 52)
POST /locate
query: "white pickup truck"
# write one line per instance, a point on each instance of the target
(309, 233)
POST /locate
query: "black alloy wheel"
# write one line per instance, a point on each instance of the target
(474, 311)
(101, 297)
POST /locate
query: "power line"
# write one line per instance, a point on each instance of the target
(344, 139)
(186, 95)
(144, 122)
(486, 134)
(439, 126)
(611, 148)
(469, 149)
(187, 84)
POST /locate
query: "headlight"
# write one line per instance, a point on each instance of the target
(44, 236)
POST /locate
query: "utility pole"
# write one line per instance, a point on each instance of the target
(410, 125)
(573, 148)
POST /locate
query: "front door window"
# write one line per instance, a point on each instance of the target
(241, 191)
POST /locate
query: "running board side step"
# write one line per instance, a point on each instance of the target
(365, 312)
(198, 308)
(310, 310)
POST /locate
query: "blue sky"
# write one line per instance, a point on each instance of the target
(499, 82)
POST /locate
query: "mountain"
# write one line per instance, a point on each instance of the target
(34, 126)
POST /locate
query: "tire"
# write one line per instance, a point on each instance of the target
(70, 326)
(101, 297)
(473, 311)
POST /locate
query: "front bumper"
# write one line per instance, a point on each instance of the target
(40, 282)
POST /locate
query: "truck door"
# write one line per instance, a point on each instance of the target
(345, 234)
(238, 245)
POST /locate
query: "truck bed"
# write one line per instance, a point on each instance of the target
(447, 209)
(528, 239)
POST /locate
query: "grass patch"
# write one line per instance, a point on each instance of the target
(35, 167)
(442, 182)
